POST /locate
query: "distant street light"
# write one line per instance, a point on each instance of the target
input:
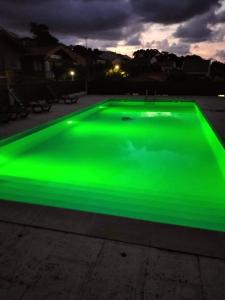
(116, 68)
(72, 74)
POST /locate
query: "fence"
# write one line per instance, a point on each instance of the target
(204, 87)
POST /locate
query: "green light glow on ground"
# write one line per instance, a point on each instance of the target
(155, 161)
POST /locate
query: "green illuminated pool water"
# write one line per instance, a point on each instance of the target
(155, 161)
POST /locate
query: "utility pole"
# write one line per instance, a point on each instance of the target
(87, 67)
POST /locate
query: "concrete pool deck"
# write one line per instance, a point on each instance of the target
(48, 253)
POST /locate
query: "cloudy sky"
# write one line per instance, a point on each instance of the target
(179, 26)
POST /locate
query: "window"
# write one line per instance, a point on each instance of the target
(37, 65)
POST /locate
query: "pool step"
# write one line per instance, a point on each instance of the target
(134, 204)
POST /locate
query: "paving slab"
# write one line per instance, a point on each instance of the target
(168, 265)
(164, 289)
(172, 276)
(63, 274)
(165, 236)
(213, 278)
(57, 280)
(118, 273)
(20, 261)
(44, 264)
(10, 290)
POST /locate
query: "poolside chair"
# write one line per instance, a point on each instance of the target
(70, 98)
(19, 108)
(10, 108)
(33, 97)
(54, 96)
(60, 93)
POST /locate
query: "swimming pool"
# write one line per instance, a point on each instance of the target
(153, 161)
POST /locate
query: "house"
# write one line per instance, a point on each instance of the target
(153, 60)
(11, 50)
(50, 61)
(197, 67)
(21, 57)
(167, 66)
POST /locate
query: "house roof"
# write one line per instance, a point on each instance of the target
(47, 51)
(196, 66)
(11, 37)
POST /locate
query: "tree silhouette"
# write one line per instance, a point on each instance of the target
(194, 56)
(148, 53)
(41, 35)
(218, 69)
(87, 52)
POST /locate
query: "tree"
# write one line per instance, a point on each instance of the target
(81, 50)
(194, 56)
(139, 54)
(41, 35)
(148, 53)
(92, 54)
(218, 69)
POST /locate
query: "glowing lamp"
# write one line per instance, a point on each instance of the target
(117, 67)
(72, 74)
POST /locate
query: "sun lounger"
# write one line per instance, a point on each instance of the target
(62, 95)
(11, 108)
(18, 107)
(33, 98)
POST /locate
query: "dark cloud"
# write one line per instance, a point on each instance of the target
(87, 16)
(109, 21)
(218, 17)
(134, 40)
(171, 11)
(201, 28)
(103, 18)
(196, 30)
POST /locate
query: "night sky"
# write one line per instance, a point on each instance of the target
(179, 26)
